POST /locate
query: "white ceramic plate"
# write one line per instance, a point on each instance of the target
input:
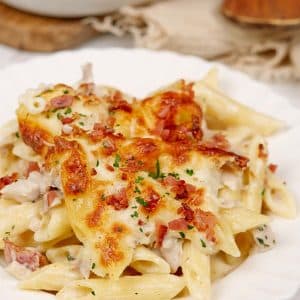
(273, 275)
(70, 8)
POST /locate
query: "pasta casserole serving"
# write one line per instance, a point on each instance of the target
(105, 196)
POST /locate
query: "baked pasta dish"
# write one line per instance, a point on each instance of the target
(105, 196)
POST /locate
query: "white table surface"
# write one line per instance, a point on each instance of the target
(10, 56)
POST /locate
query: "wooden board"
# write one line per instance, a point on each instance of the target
(35, 33)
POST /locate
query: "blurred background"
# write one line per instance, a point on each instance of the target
(258, 37)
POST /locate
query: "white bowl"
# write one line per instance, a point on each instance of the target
(70, 8)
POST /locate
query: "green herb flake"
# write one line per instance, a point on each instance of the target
(97, 163)
(117, 161)
(93, 293)
(182, 234)
(139, 179)
(82, 115)
(17, 134)
(141, 201)
(68, 111)
(137, 190)
(203, 244)
(93, 266)
(263, 192)
(13, 227)
(134, 215)
(7, 232)
(59, 116)
(261, 241)
(189, 172)
(157, 174)
(190, 227)
(175, 175)
(81, 123)
(74, 199)
(134, 207)
(69, 257)
(141, 229)
(102, 197)
(66, 92)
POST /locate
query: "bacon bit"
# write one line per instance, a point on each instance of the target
(98, 132)
(51, 195)
(62, 101)
(67, 120)
(145, 146)
(178, 272)
(196, 197)
(32, 167)
(272, 168)
(31, 259)
(118, 103)
(129, 271)
(109, 146)
(124, 176)
(62, 144)
(187, 212)
(93, 218)
(179, 187)
(118, 201)
(178, 224)
(141, 222)
(111, 122)
(261, 152)
(161, 231)
(152, 201)
(93, 172)
(7, 180)
(109, 168)
(205, 221)
(217, 141)
(196, 128)
(241, 161)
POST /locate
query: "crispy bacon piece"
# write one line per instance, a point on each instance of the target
(160, 232)
(187, 212)
(272, 168)
(6, 180)
(196, 197)
(29, 258)
(241, 161)
(67, 120)
(218, 140)
(62, 101)
(109, 168)
(119, 201)
(196, 128)
(109, 146)
(118, 103)
(152, 201)
(205, 221)
(32, 167)
(178, 224)
(179, 187)
(93, 172)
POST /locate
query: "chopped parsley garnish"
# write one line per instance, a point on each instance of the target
(157, 174)
(7, 233)
(134, 207)
(102, 197)
(189, 172)
(137, 190)
(68, 111)
(134, 215)
(182, 235)
(74, 199)
(82, 115)
(66, 92)
(139, 179)
(261, 241)
(17, 134)
(93, 293)
(175, 175)
(141, 201)
(97, 163)
(190, 227)
(260, 228)
(69, 257)
(263, 192)
(59, 116)
(13, 227)
(203, 244)
(141, 229)
(81, 123)
(93, 266)
(117, 161)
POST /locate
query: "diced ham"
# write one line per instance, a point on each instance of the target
(178, 224)
(118, 103)
(32, 166)
(205, 221)
(179, 187)
(160, 231)
(187, 212)
(119, 201)
(152, 201)
(7, 180)
(30, 258)
(61, 101)
(109, 146)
